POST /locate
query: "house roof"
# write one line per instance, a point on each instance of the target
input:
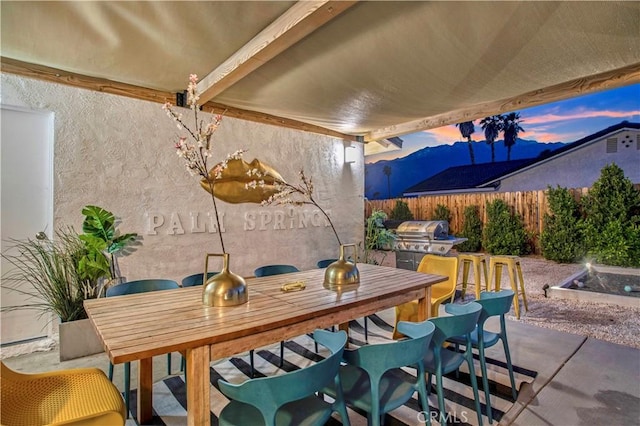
(487, 176)
(359, 70)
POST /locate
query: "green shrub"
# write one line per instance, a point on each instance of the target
(504, 232)
(611, 212)
(471, 230)
(442, 212)
(562, 239)
(401, 211)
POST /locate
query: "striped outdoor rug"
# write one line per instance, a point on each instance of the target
(170, 399)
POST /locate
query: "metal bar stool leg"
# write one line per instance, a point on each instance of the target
(477, 277)
(514, 287)
(521, 279)
(465, 276)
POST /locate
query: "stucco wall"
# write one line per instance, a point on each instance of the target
(118, 153)
(580, 168)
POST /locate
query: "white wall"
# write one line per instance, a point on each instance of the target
(581, 168)
(118, 153)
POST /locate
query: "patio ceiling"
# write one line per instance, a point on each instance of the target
(359, 70)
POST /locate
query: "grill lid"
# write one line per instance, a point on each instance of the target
(424, 229)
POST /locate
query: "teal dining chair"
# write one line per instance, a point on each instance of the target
(493, 304)
(289, 398)
(440, 360)
(196, 279)
(264, 271)
(134, 287)
(372, 379)
(325, 262)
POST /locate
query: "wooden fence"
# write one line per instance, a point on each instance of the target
(530, 205)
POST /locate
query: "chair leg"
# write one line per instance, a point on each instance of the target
(441, 407)
(281, 353)
(474, 384)
(169, 364)
(110, 371)
(366, 331)
(422, 397)
(507, 354)
(127, 385)
(251, 363)
(183, 365)
(485, 380)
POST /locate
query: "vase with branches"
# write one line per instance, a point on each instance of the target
(196, 149)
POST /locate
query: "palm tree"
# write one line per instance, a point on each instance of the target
(492, 127)
(466, 129)
(387, 171)
(511, 129)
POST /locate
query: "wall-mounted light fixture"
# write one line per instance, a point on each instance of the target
(350, 154)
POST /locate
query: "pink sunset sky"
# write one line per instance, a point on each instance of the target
(563, 121)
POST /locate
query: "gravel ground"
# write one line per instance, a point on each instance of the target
(615, 324)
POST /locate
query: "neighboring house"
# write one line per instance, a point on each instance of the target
(575, 165)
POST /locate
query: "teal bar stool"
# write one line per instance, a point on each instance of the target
(373, 380)
(493, 304)
(134, 287)
(440, 360)
(290, 398)
(479, 263)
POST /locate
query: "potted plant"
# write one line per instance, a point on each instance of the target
(105, 243)
(377, 238)
(57, 275)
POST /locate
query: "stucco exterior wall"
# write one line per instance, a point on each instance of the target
(580, 168)
(117, 153)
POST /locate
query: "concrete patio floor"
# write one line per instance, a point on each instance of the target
(580, 381)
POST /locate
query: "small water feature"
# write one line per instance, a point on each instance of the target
(601, 284)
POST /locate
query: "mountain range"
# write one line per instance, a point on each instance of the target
(426, 162)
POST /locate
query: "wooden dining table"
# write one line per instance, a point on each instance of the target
(139, 326)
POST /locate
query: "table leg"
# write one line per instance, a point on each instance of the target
(198, 406)
(145, 390)
(424, 305)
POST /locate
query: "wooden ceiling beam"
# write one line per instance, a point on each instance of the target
(300, 20)
(580, 86)
(54, 75)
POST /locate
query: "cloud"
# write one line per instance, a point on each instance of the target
(579, 115)
(450, 134)
(549, 137)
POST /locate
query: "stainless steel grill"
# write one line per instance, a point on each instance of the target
(415, 238)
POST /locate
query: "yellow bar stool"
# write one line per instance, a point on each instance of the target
(479, 262)
(515, 274)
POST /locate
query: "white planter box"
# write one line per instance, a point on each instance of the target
(78, 339)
